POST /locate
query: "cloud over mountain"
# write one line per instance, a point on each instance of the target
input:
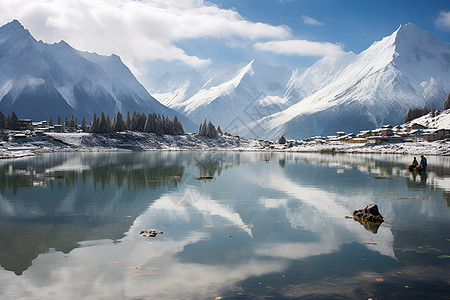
(136, 30)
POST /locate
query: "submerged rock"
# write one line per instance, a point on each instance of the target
(204, 178)
(369, 217)
(150, 232)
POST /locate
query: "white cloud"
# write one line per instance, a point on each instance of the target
(443, 20)
(137, 31)
(311, 21)
(299, 47)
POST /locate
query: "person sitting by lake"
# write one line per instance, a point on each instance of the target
(415, 163)
(423, 164)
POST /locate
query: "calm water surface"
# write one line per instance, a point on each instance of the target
(268, 225)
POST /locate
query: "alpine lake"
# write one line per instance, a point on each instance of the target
(236, 225)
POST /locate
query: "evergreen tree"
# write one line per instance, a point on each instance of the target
(211, 131)
(108, 124)
(102, 123)
(203, 128)
(447, 102)
(118, 124)
(128, 121)
(158, 126)
(219, 131)
(83, 124)
(282, 140)
(58, 120)
(135, 121)
(66, 124)
(2, 121)
(8, 122)
(14, 122)
(178, 127)
(50, 122)
(150, 123)
(94, 124)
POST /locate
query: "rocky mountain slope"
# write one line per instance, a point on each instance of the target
(39, 81)
(341, 92)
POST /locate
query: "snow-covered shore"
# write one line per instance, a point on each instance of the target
(137, 141)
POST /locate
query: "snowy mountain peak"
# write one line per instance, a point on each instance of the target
(410, 36)
(14, 30)
(40, 80)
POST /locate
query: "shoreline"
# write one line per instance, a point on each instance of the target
(137, 141)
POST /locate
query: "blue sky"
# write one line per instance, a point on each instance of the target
(169, 35)
(354, 24)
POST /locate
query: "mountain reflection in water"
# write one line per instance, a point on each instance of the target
(266, 225)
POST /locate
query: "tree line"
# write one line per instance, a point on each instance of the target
(414, 113)
(9, 122)
(209, 130)
(151, 123)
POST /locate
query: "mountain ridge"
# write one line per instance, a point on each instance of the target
(39, 80)
(340, 92)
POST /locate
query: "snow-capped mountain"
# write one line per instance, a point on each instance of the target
(341, 92)
(39, 81)
(231, 96)
(351, 92)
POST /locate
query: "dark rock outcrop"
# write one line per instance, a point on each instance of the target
(369, 217)
(150, 232)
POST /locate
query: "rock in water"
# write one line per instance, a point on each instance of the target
(150, 232)
(370, 217)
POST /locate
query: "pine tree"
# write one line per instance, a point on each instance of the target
(8, 122)
(178, 127)
(102, 125)
(94, 124)
(203, 128)
(282, 140)
(128, 121)
(150, 123)
(219, 131)
(118, 123)
(158, 126)
(135, 121)
(83, 124)
(66, 124)
(2, 121)
(108, 124)
(50, 122)
(211, 131)
(14, 122)
(59, 121)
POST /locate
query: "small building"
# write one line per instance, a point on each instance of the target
(375, 140)
(386, 131)
(416, 126)
(364, 134)
(56, 129)
(376, 132)
(442, 133)
(17, 138)
(25, 124)
(357, 141)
